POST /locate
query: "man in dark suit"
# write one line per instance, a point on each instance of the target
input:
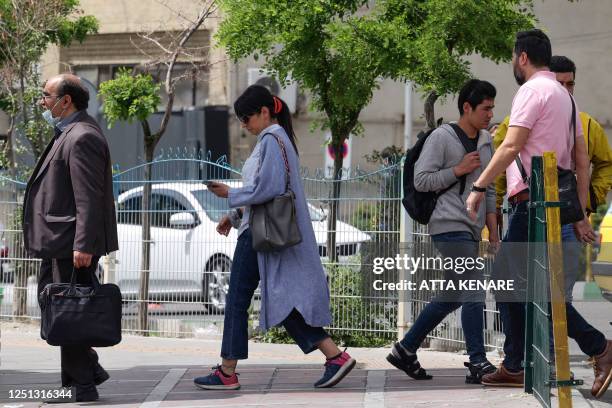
(69, 212)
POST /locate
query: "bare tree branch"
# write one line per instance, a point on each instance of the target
(170, 84)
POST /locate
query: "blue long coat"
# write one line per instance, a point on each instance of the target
(294, 277)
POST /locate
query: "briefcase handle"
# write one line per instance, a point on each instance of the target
(95, 283)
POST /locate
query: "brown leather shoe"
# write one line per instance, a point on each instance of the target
(602, 366)
(504, 378)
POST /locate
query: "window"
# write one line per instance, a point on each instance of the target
(215, 207)
(130, 211)
(163, 207)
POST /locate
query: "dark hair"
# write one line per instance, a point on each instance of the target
(474, 92)
(536, 45)
(70, 85)
(256, 97)
(560, 63)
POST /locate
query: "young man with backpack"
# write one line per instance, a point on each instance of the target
(450, 159)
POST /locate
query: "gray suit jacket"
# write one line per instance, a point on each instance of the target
(69, 201)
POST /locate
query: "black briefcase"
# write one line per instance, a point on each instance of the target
(83, 315)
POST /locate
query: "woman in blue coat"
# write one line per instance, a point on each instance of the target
(294, 291)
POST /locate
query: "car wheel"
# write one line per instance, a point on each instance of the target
(215, 283)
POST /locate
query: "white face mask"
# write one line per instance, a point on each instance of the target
(48, 115)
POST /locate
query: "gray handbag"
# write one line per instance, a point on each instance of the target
(274, 224)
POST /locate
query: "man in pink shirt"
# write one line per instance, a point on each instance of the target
(540, 121)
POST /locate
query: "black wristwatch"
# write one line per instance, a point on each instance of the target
(478, 189)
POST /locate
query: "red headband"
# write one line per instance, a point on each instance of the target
(278, 105)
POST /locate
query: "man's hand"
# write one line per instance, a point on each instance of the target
(469, 163)
(473, 203)
(218, 189)
(224, 226)
(494, 243)
(81, 259)
(499, 215)
(584, 232)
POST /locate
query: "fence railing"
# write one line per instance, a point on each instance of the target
(190, 263)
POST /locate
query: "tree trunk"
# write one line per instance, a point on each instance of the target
(430, 116)
(334, 198)
(145, 265)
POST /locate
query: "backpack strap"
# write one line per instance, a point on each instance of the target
(467, 148)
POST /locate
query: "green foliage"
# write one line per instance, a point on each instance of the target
(312, 41)
(339, 50)
(427, 41)
(129, 97)
(363, 216)
(27, 28)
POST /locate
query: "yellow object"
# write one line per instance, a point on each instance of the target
(555, 265)
(600, 156)
(602, 267)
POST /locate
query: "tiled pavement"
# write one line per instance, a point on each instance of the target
(154, 372)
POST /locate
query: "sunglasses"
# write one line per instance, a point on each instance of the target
(244, 118)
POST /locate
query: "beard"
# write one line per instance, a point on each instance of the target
(518, 75)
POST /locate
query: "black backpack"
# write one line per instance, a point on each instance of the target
(420, 205)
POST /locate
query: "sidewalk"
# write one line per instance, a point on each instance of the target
(158, 372)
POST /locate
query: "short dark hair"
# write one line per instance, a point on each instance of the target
(560, 63)
(78, 93)
(536, 45)
(474, 92)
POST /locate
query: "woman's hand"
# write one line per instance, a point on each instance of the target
(224, 226)
(218, 189)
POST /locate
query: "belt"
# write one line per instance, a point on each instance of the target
(519, 197)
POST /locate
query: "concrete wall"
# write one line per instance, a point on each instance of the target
(126, 16)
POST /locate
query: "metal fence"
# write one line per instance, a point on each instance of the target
(189, 262)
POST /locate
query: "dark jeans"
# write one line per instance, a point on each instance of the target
(436, 310)
(78, 362)
(244, 279)
(512, 314)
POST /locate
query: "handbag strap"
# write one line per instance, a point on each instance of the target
(517, 159)
(94, 279)
(284, 153)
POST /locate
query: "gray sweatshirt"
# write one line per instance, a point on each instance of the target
(434, 172)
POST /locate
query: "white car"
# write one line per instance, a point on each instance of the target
(189, 260)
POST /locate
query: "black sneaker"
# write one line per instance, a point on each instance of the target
(476, 371)
(408, 364)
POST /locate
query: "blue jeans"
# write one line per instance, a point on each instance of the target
(436, 310)
(244, 278)
(512, 314)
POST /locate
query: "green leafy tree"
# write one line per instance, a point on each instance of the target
(434, 37)
(27, 28)
(134, 97)
(313, 41)
(340, 50)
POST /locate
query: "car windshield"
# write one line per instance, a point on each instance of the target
(215, 207)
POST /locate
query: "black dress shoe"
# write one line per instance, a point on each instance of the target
(100, 375)
(86, 393)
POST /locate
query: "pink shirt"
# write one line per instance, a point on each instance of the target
(543, 106)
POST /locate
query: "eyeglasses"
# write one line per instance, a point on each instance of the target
(47, 96)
